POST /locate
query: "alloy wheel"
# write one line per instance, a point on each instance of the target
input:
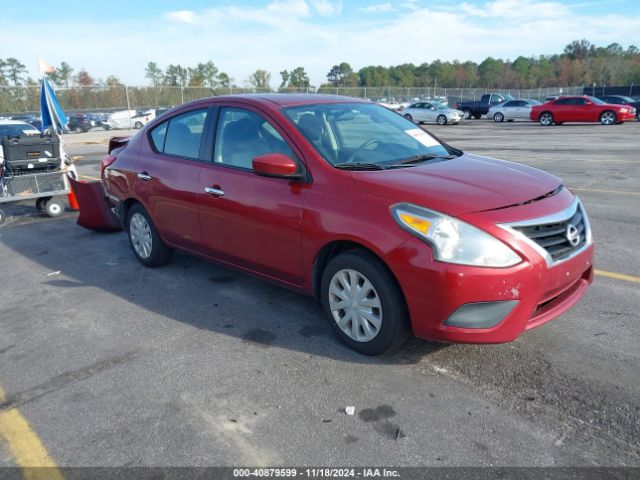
(546, 119)
(608, 118)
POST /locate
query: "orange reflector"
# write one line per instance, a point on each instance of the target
(417, 223)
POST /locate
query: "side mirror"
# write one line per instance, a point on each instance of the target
(275, 165)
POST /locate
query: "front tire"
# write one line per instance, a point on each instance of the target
(144, 239)
(498, 117)
(546, 119)
(363, 303)
(608, 118)
(409, 117)
(441, 120)
(138, 125)
(467, 114)
(3, 216)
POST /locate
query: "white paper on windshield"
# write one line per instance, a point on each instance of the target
(422, 136)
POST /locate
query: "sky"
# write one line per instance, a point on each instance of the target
(119, 37)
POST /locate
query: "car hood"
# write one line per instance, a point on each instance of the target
(466, 184)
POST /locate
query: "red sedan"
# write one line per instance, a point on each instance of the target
(581, 109)
(393, 230)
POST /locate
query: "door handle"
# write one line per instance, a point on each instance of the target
(214, 191)
(144, 176)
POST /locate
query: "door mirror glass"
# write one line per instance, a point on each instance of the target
(275, 165)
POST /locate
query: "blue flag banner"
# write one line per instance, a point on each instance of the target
(52, 115)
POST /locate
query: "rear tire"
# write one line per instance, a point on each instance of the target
(53, 207)
(3, 216)
(546, 119)
(358, 287)
(144, 239)
(409, 117)
(40, 203)
(138, 125)
(467, 114)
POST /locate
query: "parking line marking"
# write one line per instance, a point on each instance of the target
(618, 276)
(603, 191)
(90, 178)
(25, 446)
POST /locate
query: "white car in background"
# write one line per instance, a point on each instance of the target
(432, 112)
(129, 119)
(512, 110)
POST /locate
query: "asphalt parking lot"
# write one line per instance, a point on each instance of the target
(193, 364)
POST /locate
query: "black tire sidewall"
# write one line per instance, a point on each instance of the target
(40, 204)
(438, 120)
(395, 324)
(159, 253)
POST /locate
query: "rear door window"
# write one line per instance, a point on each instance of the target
(180, 135)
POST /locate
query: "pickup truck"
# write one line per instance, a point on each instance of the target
(477, 109)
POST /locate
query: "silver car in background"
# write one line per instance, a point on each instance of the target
(432, 112)
(512, 110)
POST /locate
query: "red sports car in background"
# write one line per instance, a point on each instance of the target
(581, 109)
(393, 230)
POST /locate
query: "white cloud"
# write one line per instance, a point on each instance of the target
(327, 8)
(378, 7)
(410, 5)
(510, 9)
(186, 16)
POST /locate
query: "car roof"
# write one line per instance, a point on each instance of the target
(15, 122)
(282, 99)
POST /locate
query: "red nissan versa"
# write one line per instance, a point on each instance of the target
(581, 109)
(392, 229)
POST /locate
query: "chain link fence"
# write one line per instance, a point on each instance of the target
(17, 100)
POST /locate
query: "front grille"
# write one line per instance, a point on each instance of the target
(555, 238)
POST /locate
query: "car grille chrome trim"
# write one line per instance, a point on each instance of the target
(557, 237)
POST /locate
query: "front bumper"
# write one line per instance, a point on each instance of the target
(535, 292)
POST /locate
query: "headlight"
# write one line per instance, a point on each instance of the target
(624, 110)
(453, 240)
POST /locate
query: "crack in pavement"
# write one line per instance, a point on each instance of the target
(60, 381)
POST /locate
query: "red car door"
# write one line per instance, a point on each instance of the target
(250, 221)
(563, 110)
(585, 111)
(168, 173)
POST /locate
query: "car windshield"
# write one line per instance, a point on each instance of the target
(596, 100)
(364, 133)
(15, 129)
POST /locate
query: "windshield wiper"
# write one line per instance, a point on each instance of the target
(358, 166)
(424, 158)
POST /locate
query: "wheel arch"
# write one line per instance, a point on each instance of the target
(336, 247)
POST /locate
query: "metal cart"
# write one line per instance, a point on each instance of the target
(45, 188)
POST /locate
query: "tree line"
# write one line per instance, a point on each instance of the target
(581, 63)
